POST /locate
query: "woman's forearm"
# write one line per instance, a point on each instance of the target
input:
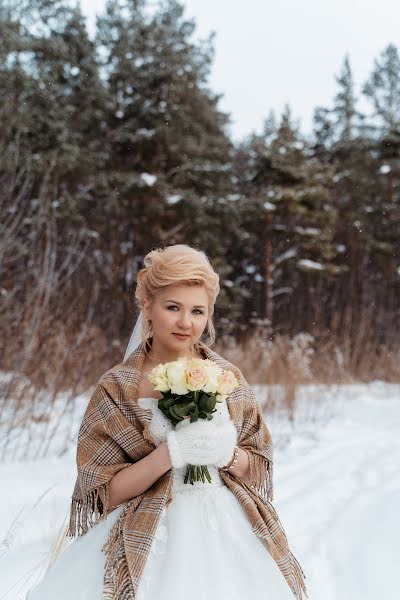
(138, 477)
(241, 468)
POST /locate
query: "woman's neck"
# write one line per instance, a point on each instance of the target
(158, 354)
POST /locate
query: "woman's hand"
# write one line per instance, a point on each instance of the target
(201, 443)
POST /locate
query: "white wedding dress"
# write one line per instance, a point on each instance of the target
(204, 547)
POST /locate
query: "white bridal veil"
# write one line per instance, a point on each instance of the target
(136, 336)
(62, 541)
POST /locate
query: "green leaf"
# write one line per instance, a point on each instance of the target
(183, 410)
(169, 402)
(174, 414)
(195, 415)
(207, 402)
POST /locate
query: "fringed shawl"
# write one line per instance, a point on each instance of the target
(114, 434)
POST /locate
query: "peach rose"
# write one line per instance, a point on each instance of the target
(195, 375)
(227, 382)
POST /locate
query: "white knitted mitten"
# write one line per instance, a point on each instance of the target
(201, 443)
(227, 443)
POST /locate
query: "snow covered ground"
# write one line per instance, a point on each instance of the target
(337, 492)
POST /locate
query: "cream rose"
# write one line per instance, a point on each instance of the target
(176, 376)
(213, 373)
(158, 377)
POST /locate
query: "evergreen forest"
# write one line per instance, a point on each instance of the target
(114, 144)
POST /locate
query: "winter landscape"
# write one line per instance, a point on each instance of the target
(337, 490)
(114, 142)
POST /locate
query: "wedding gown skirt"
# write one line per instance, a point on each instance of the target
(204, 547)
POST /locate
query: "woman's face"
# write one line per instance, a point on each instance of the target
(178, 309)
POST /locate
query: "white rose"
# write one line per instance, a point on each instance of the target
(176, 376)
(213, 372)
(158, 377)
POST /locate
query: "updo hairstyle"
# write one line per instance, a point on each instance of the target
(176, 264)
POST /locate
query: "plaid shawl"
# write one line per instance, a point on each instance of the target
(114, 434)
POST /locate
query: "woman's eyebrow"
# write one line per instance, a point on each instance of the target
(196, 306)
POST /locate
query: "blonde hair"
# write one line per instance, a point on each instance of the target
(174, 264)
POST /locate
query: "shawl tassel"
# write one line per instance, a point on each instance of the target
(88, 511)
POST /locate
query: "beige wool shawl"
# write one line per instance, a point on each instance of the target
(114, 434)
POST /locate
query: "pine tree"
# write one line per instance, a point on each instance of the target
(345, 101)
(383, 89)
(365, 163)
(343, 122)
(163, 116)
(287, 212)
(61, 95)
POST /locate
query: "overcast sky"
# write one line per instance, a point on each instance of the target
(269, 53)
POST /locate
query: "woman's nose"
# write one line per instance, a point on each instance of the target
(184, 320)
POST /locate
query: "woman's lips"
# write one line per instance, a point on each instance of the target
(181, 336)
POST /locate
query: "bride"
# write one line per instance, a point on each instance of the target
(141, 532)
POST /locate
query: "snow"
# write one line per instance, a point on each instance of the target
(145, 133)
(269, 206)
(148, 179)
(282, 290)
(309, 264)
(250, 268)
(174, 198)
(290, 253)
(336, 488)
(307, 230)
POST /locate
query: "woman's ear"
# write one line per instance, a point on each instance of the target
(146, 305)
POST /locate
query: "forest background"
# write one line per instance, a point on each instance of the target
(112, 146)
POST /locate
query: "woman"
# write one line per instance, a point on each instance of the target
(142, 532)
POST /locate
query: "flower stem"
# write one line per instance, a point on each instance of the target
(197, 473)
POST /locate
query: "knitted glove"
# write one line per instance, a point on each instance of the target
(227, 443)
(201, 443)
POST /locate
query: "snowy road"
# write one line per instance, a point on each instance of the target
(341, 501)
(337, 492)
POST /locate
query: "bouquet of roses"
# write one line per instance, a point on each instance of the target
(191, 388)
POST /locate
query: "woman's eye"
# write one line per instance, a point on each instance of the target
(196, 309)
